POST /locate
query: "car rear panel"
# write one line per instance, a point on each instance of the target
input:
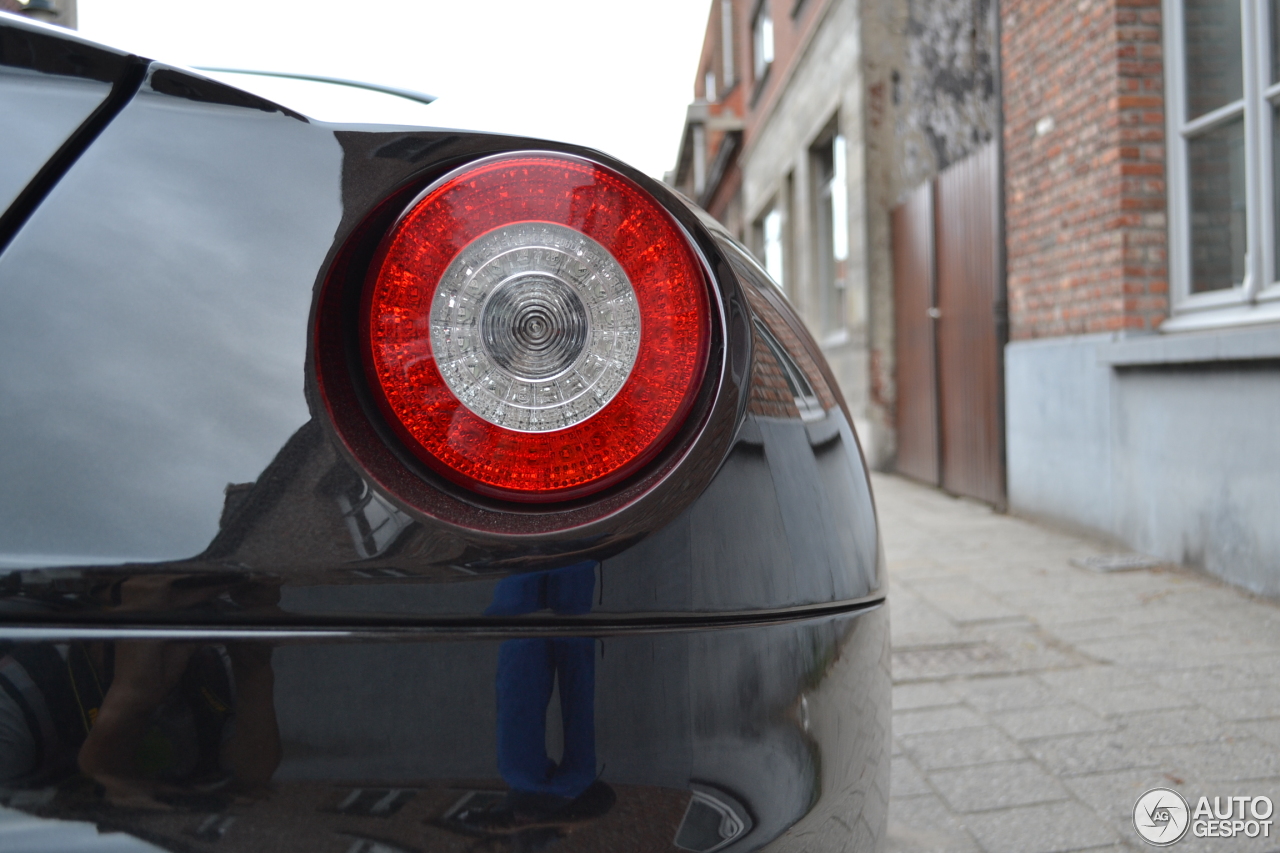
(171, 489)
(757, 718)
(154, 331)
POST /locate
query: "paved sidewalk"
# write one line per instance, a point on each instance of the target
(1034, 701)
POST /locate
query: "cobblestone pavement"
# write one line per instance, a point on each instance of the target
(1034, 700)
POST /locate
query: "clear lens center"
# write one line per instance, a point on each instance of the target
(534, 326)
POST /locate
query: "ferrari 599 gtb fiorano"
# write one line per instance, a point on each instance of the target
(384, 488)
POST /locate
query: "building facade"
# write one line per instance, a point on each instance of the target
(1143, 371)
(793, 142)
(60, 12)
(1119, 303)
(791, 183)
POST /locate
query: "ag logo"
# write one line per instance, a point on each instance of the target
(1161, 817)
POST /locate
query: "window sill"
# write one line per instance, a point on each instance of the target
(837, 338)
(1223, 318)
(1224, 344)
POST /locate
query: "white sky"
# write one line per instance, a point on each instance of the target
(609, 75)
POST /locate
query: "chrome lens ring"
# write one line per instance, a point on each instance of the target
(535, 327)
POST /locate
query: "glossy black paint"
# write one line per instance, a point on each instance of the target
(757, 717)
(206, 229)
(168, 462)
(61, 87)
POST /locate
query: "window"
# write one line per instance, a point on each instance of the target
(699, 158)
(1223, 108)
(772, 238)
(831, 231)
(807, 402)
(709, 85)
(726, 42)
(762, 40)
(378, 802)
(769, 240)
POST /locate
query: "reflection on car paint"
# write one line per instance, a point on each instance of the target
(302, 518)
(792, 490)
(693, 740)
(375, 523)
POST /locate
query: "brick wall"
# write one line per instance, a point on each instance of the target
(1084, 166)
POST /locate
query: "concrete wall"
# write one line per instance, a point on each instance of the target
(1167, 443)
(1057, 422)
(824, 83)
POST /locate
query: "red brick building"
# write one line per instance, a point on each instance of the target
(736, 86)
(1142, 376)
(1086, 231)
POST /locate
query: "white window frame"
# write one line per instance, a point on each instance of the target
(1257, 299)
(762, 40)
(773, 244)
(726, 43)
(699, 158)
(830, 206)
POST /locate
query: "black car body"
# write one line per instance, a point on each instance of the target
(237, 615)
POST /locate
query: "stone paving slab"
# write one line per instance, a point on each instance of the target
(1051, 828)
(987, 788)
(1035, 700)
(1007, 693)
(963, 748)
(907, 723)
(1059, 718)
(914, 697)
(924, 823)
(1077, 755)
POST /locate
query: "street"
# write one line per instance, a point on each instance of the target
(1036, 700)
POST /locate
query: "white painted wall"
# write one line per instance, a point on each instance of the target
(1169, 443)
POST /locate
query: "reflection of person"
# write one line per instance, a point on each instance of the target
(141, 716)
(171, 717)
(545, 793)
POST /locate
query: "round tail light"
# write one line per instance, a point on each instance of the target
(535, 327)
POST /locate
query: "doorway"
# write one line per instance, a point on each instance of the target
(950, 324)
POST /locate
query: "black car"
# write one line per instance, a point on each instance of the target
(372, 488)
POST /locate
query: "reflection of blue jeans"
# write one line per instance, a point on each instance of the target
(526, 669)
(566, 591)
(527, 672)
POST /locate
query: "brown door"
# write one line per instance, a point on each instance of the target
(966, 339)
(916, 357)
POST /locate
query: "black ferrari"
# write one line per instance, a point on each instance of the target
(371, 488)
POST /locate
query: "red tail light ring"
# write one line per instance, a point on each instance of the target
(535, 327)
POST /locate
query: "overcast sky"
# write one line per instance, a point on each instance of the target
(610, 75)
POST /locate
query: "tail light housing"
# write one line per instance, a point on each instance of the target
(533, 327)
